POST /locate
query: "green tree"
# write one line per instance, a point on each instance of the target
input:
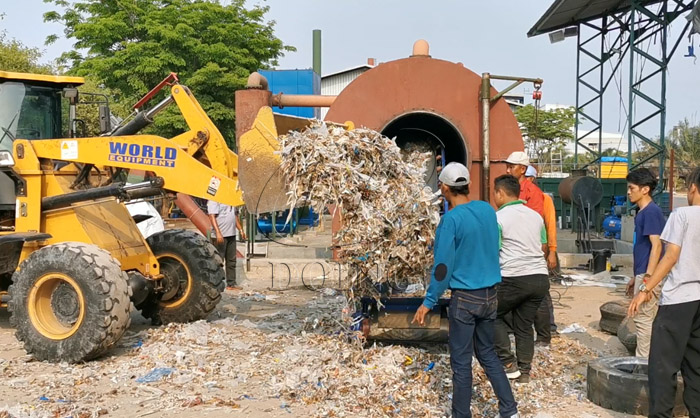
(92, 94)
(129, 46)
(545, 131)
(583, 159)
(684, 138)
(15, 56)
(613, 152)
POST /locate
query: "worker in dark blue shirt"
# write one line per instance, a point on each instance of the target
(467, 262)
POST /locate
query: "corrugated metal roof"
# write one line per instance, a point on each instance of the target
(359, 67)
(565, 13)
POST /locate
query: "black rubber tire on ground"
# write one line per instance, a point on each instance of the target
(410, 335)
(621, 384)
(179, 252)
(611, 315)
(627, 334)
(46, 296)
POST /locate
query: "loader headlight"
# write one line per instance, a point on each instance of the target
(6, 159)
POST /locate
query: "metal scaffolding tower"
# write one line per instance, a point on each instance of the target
(647, 89)
(592, 80)
(608, 33)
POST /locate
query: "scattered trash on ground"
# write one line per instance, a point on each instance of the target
(573, 328)
(159, 372)
(602, 279)
(328, 291)
(294, 360)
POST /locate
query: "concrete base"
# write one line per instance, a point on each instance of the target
(618, 246)
(282, 273)
(573, 260)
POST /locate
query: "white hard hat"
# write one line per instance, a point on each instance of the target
(518, 158)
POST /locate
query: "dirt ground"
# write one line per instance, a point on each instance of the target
(251, 336)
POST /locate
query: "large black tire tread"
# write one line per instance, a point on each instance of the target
(106, 294)
(207, 275)
(622, 391)
(612, 314)
(627, 334)
(410, 335)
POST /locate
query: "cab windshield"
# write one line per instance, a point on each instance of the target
(29, 112)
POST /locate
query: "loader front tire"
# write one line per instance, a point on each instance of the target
(69, 302)
(193, 277)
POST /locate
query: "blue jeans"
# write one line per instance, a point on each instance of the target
(472, 314)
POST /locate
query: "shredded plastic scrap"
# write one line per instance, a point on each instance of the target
(389, 215)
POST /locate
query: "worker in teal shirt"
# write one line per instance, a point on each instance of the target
(467, 262)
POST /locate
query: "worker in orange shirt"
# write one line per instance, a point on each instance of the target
(549, 213)
(516, 165)
(545, 325)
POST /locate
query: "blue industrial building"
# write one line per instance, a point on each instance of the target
(294, 82)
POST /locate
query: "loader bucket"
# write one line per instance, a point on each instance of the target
(264, 186)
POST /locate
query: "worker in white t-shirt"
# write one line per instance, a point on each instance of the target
(226, 223)
(525, 278)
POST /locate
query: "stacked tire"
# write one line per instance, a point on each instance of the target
(612, 314)
(627, 334)
(622, 384)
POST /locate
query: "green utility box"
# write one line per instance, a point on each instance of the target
(611, 187)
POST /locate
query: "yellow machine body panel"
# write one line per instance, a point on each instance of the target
(105, 223)
(42, 78)
(197, 163)
(203, 134)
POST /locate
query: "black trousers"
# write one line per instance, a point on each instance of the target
(544, 320)
(227, 250)
(675, 345)
(522, 296)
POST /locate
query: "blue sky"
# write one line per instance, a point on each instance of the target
(484, 35)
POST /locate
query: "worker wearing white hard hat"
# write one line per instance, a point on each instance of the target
(531, 172)
(516, 165)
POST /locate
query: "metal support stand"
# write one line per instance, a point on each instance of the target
(274, 224)
(251, 229)
(486, 102)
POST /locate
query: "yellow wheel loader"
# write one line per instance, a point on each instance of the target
(71, 257)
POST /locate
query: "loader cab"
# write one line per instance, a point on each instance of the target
(33, 106)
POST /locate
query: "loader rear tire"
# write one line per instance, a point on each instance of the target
(69, 302)
(190, 262)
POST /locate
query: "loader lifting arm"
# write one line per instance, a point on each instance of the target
(180, 171)
(197, 162)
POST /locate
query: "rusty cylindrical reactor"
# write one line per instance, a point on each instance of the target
(434, 102)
